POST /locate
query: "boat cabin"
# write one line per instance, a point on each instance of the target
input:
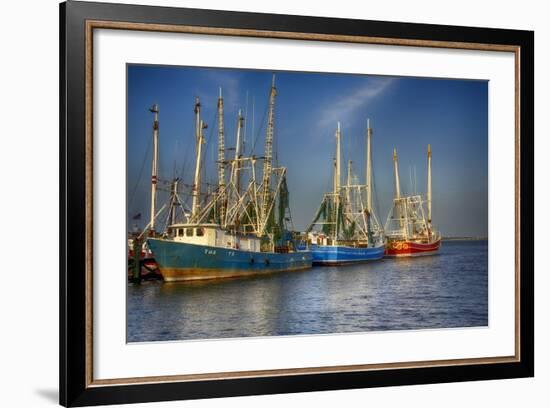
(316, 238)
(212, 235)
(321, 239)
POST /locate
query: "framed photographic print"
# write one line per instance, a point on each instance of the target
(255, 204)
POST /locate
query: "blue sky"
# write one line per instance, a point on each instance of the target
(405, 113)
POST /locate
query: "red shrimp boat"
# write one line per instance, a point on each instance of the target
(411, 248)
(408, 231)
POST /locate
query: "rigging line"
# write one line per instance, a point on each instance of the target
(133, 195)
(261, 125)
(414, 168)
(183, 168)
(276, 140)
(252, 130)
(208, 138)
(376, 200)
(411, 181)
(176, 157)
(246, 118)
(330, 181)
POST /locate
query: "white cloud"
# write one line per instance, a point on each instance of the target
(229, 83)
(346, 106)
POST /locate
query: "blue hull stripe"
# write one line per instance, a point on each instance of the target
(333, 255)
(182, 261)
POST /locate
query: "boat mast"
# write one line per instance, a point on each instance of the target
(337, 174)
(221, 159)
(199, 140)
(337, 182)
(154, 171)
(368, 175)
(334, 186)
(429, 192)
(402, 204)
(173, 200)
(235, 177)
(268, 153)
(396, 172)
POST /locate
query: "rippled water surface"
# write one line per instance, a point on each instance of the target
(441, 291)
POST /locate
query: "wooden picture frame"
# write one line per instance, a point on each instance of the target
(77, 22)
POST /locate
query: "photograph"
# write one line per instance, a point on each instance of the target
(301, 203)
(281, 203)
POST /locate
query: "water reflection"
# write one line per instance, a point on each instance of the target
(447, 290)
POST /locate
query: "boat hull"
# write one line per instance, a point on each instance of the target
(398, 249)
(180, 261)
(341, 255)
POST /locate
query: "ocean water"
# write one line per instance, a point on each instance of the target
(441, 291)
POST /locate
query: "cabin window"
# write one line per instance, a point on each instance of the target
(200, 232)
(180, 232)
(189, 232)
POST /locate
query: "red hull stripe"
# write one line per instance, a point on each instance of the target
(411, 248)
